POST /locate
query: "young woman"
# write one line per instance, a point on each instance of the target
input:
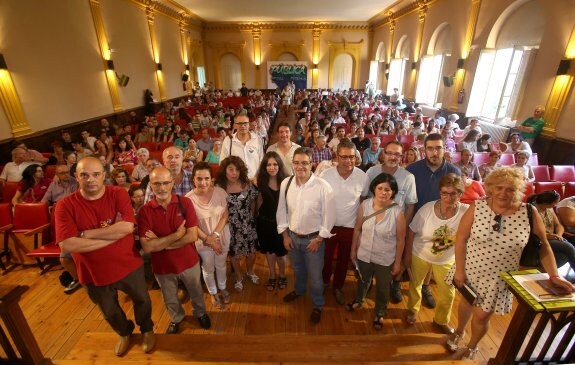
(33, 185)
(125, 155)
(213, 232)
(242, 197)
(470, 141)
(193, 152)
(377, 244)
(102, 149)
(270, 175)
(411, 155)
(484, 143)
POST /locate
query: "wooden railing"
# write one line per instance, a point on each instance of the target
(19, 331)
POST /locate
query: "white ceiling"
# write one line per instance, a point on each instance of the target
(288, 11)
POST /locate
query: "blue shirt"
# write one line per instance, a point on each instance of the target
(369, 156)
(427, 181)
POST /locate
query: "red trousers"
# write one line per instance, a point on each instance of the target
(342, 242)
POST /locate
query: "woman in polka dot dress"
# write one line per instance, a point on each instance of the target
(490, 239)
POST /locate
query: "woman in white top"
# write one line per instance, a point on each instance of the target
(521, 163)
(377, 244)
(429, 246)
(211, 207)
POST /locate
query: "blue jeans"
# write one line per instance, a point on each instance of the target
(306, 265)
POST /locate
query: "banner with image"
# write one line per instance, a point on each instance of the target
(281, 72)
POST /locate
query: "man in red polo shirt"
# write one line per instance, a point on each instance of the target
(168, 230)
(95, 224)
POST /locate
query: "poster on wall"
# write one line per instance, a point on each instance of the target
(281, 72)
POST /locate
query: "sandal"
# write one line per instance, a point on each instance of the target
(217, 302)
(378, 323)
(411, 318)
(271, 285)
(239, 286)
(282, 282)
(353, 306)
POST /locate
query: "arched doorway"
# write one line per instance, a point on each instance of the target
(342, 72)
(230, 72)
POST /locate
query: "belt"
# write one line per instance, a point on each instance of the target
(306, 236)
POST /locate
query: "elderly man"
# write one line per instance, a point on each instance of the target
(13, 170)
(140, 170)
(532, 126)
(320, 152)
(173, 160)
(349, 185)
(167, 226)
(285, 147)
(305, 218)
(244, 144)
(96, 225)
(371, 154)
(60, 188)
(31, 155)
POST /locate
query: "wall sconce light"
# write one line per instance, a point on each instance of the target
(109, 64)
(188, 67)
(315, 66)
(159, 66)
(460, 63)
(413, 65)
(387, 66)
(257, 67)
(3, 65)
(564, 66)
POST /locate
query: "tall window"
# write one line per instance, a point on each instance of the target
(497, 83)
(428, 79)
(396, 73)
(201, 76)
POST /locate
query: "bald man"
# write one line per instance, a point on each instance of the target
(245, 144)
(96, 224)
(168, 230)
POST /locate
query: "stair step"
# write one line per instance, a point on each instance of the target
(95, 348)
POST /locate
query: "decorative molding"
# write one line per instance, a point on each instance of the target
(276, 49)
(351, 48)
(218, 50)
(12, 106)
(376, 23)
(286, 26)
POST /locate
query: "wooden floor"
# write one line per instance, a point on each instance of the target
(59, 320)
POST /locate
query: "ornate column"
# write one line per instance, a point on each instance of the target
(421, 13)
(316, 33)
(469, 35)
(257, 45)
(11, 104)
(106, 55)
(562, 86)
(155, 51)
(185, 55)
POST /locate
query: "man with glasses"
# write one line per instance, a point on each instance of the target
(96, 225)
(428, 172)
(245, 144)
(349, 185)
(167, 226)
(406, 196)
(305, 218)
(173, 160)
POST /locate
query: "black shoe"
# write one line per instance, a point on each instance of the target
(395, 292)
(315, 316)
(291, 296)
(204, 321)
(72, 287)
(173, 328)
(426, 297)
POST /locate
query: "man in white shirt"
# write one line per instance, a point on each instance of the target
(305, 217)
(395, 98)
(285, 147)
(406, 196)
(13, 170)
(349, 185)
(338, 119)
(473, 124)
(88, 139)
(244, 144)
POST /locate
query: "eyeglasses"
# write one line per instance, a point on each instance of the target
(157, 184)
(497, 226)
(301, 163)
(396, 154)
(344, 157)
(451, 195)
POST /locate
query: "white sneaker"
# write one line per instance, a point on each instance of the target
(239, 286)
(453, 341)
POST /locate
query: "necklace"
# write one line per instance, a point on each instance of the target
(444, 217)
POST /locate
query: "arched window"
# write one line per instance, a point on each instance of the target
(397, 66)
(511, 48)
(287, 56)
(431, 65)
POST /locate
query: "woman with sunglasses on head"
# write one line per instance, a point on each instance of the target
(490, 239)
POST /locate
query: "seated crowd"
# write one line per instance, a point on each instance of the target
(371, 181)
